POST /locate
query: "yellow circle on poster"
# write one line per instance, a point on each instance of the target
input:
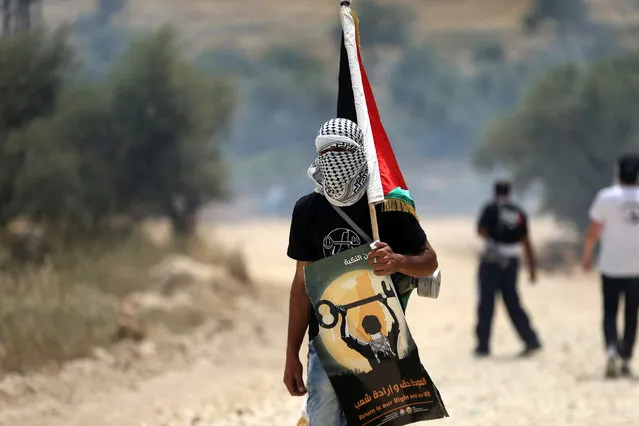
(348, 288)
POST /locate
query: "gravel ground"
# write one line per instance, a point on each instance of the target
(237, 381)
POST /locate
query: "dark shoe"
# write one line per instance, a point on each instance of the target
(530, 350)
(611, 368)
(625, 369)
(481, 353)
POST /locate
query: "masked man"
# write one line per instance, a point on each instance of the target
(317, 230)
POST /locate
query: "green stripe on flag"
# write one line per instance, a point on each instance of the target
(399, 200)
(401, 194)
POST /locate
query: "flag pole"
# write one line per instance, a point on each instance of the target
(373, 214)
(371, 205)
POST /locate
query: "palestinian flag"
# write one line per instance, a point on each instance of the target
(356, 102)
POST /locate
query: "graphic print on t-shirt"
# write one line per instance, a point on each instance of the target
(630, 213)
(339, 240)
(509, 217)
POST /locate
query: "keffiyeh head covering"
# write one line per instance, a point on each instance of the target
(341, 176)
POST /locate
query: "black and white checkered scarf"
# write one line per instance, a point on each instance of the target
(342, 177)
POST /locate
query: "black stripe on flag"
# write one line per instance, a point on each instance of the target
(345, 98)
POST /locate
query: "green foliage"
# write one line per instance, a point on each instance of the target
(66, 174)
(440, 110)
(165, 124)
(144, 142)
(33, 67)
(565, 13)
(489, 52)
(568, 132)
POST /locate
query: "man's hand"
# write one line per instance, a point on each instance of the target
(341, 311)
(383, 260)
(293, 378)
(592, 236)
(530, 259)
(299, 312)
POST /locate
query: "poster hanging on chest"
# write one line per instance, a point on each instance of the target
(365, 344)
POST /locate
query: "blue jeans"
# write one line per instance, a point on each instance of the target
(322, 405)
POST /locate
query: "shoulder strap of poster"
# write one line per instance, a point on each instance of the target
(350, 221)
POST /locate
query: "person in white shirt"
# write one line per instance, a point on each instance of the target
(614, 220)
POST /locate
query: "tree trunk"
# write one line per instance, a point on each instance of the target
(183, 223)
(182, 212)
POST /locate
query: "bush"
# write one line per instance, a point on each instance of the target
(169, 118)
(491, 52)
(82, 164)
(33, 69)
(73, 303)
(44, 318)
(565, 13)
(142, 143)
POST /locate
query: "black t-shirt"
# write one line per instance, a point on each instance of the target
(318, 231)
(504, 222)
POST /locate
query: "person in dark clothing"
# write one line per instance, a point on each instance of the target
(317, 231)
(504, 227)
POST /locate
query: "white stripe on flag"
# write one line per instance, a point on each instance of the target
(374, 191)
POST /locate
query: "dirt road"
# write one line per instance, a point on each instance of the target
(235, 379)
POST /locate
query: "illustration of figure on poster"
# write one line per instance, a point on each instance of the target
(380, 346)
(369, 325)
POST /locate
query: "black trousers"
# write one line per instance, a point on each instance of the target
(501, 278)
(613, 290)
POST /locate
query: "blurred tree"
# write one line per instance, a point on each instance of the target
(145, 142)
(567, 14)
(168, 119)
(33, 68)
(489, 52)
(66, 175)
(441, 109)
(567, 133)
